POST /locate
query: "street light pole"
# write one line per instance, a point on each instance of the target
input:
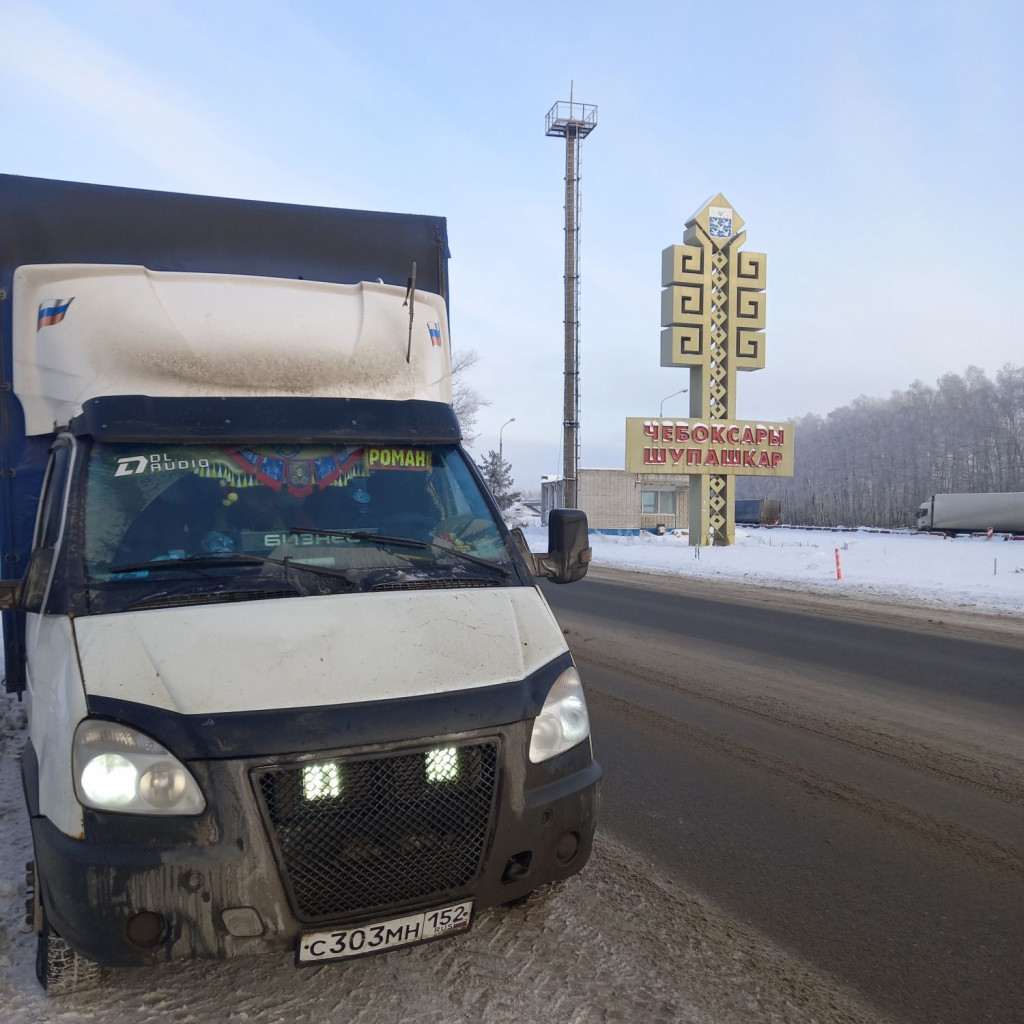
(501, 457)
(661, 411)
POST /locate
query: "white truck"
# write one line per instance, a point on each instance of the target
(290, 683)
(972, 513)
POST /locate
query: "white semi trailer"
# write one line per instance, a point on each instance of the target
(969, 513)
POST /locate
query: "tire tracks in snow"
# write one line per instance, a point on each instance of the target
(831, 712)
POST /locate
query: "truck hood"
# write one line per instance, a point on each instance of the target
(317, 651)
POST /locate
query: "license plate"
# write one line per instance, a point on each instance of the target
(377, 936)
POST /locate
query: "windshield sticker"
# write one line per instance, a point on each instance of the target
(397, 458)
(310, 469)
(252, 539)
(299, 474)
(162, 463)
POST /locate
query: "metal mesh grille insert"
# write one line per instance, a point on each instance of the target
(360, 834)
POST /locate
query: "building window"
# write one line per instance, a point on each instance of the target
(658, 503)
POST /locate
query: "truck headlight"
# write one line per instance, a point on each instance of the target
(117, 768)
(563, 721)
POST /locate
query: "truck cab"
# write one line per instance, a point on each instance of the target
(290, 682)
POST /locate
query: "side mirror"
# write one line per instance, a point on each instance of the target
(569, 552)
(10, 594)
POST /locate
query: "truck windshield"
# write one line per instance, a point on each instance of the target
(344, 509)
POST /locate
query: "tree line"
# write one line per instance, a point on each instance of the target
(871, 463)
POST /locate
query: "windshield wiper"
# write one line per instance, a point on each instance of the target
(408, 542)
(219, 561)
(189, 562)
(214, 591)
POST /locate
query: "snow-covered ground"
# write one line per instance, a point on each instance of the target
(963, 573)
(616, 943)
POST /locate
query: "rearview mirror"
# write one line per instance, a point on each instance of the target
(569, 552)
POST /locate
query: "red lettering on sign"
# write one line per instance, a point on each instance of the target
(682, 433)
(693, 456)
(731, 457)
(651, 430)
(761, 435)
(700, 433)
(776, 458)
(748, 436)
(764, 460)
(677, 454)
(733, 435)
(716, 434)
(711, 459)
(776, 436)
(654, 456)
(748, 460)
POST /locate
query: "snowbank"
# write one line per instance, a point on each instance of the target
(965, 573)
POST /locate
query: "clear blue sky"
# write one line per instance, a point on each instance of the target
(874, 150)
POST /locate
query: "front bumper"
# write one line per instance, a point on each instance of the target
(142, 889)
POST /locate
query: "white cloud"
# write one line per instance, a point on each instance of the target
(52, 64)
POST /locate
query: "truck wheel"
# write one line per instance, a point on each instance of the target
(59, 968)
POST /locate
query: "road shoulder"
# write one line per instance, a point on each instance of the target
(879, 610)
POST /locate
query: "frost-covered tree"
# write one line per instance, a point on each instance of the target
(498, 474)
(466, 401)
(871, 463)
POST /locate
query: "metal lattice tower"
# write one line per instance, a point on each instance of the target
(573, 122)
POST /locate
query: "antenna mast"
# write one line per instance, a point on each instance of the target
(573, 122)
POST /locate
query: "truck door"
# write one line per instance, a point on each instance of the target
(56, 700)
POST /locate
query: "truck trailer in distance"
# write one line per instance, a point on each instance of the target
(972, 513)
(758, 512)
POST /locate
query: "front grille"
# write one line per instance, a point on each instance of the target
(365, 833)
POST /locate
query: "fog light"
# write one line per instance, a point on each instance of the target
(567, 847)
(443, 764)
(145, 929)
(321, 780)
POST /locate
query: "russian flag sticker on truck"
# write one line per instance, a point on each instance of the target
(51, 311)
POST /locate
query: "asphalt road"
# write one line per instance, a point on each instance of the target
(846, 779)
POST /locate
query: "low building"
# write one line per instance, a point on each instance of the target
(619, 502)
